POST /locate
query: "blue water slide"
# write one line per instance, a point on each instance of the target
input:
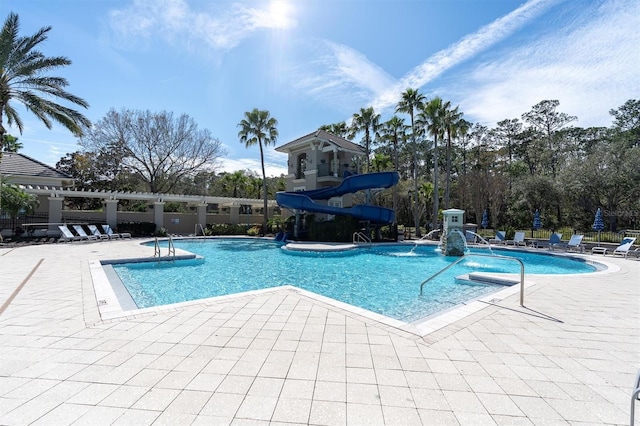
(304, 200)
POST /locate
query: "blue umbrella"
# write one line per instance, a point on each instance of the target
(598, 224)
(537, 223)
(485, 219)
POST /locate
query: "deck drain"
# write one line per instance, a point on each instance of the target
(495, 300)
(102, 302)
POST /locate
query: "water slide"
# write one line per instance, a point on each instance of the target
(304, 200)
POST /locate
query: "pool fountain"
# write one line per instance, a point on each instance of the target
(453, 242)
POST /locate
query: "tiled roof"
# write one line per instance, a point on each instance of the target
(322, 135)
(16, 164)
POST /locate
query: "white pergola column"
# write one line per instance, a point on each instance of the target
(335, 164)
(234, 211)
(55, 209)
(158, 214)
(202, 214)
(111, 207)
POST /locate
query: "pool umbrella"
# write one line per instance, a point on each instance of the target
(485, 219)
(598, 224)
(537, 223)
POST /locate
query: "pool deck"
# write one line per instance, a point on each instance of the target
(285, 356)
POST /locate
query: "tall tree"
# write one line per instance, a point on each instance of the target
(236, 181)
(366, 121)
(24, 79)
(410, 102)
(259, 128)
(545, 119)
(431, 118)
(339, 129)
(451, 121)
(155, 146)
(394, 131)
(10, 144)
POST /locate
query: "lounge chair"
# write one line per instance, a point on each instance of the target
(95, 231)
(112, 235)
(574, 243)
(624, 247)
(82, 233)
(67, 235)
(518, 239)
(555, 238)
(499, 238)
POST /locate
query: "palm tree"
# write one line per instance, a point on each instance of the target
(366, 121)
(10, 144)
(411, 101)
(431, 117)
(451, 120)
(338, 129)
(381, 162)
(393, 130)
(236, 180)
(259, 128)
(24, 79)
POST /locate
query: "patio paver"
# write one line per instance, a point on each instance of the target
(569, 356)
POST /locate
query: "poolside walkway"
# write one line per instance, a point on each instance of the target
(284, 357)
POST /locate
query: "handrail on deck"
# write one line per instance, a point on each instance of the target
(359, 237)
(482, 255)
(172, 248)
(195, 230)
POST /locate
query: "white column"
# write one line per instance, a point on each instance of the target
(202, 214)
(55, 210)
(234, 211)
(158, 214)
(111, 218)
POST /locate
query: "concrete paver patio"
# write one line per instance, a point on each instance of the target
(282, 356)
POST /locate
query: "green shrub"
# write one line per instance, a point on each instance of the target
(225, 229)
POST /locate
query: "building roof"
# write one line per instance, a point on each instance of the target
(16, 164)
(323, 137)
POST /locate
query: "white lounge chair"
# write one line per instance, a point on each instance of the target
(499, 238)
(624, 247)
(112, 235)
(518, 239)
(81, 232)
(67, 235)
(95, 231)
(574, 243)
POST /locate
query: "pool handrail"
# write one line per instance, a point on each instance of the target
(195, 230)
(463, 257)
(172, 248)
(359, 237)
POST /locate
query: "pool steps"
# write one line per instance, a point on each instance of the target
(480, 278)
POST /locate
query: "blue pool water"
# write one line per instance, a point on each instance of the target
(383, 279)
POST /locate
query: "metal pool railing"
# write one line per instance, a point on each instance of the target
(172, 248)
(494, 256)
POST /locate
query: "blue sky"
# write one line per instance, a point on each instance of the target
(315, 62)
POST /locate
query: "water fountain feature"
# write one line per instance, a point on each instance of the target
(481, 238)
(453, 241)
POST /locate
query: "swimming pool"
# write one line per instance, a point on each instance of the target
(383, 279)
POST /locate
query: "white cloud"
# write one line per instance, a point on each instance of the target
(234, 164)
(340, 75)
(223, 28)
(590, 69)
(461, 51)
